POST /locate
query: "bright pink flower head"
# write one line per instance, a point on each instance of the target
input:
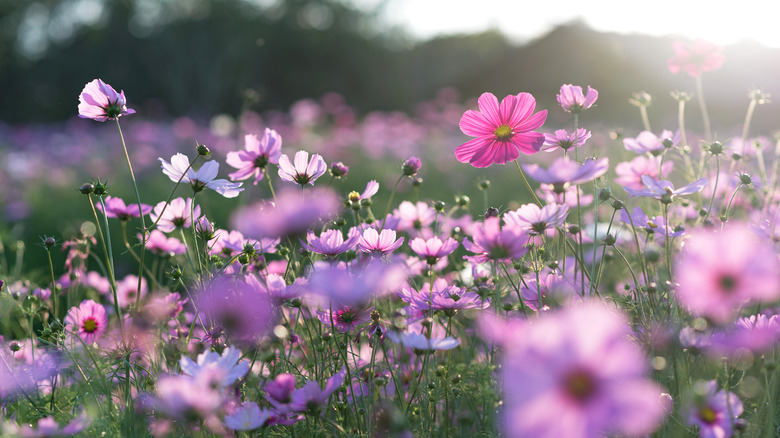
(502, 131)
(573, 100)
(718, 273)
(695, 58)
(116, 208)
(256, 156)
(99, 101)
(575, 373)
(304, 171)
(88, 321)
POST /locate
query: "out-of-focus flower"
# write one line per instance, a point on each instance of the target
(228, 362)
(714, 411)
(247, 417)
(575, 373)
(564, 171)
(304, 171)
(346, 318)
(340, 287)
(127, 289)
(646, 141)
(664, 190)
(718, 273)
(411, 166)
(159, 243)
(179, 170)
(47, 426)
(563, 140)
(413, 217)
(552, 195)
(88, 321)
(630, 172)
(292, 213)
(177, 214)
(573, 100)
(116, 208)
(99, 101)
(279, 390)
(257, 155)
(419, 341)
(501, 131)
(311, 398)
(371, 188)
(696, 58)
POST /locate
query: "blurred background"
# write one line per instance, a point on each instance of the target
(367, 82)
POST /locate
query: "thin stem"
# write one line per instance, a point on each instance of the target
(109, 262)
(390, 202)
(704, 114)
(714, 189)
(746, 125)
(645, 119)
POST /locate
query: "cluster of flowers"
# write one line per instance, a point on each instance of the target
(310, 313)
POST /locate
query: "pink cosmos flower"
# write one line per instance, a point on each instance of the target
(714, 411)
(99, 101)
(228, 362)
(419, 341)
(88, 321)
(434, 248)
(572, 100)
(116, 208)
(563, 140)
(575, 373)
(646, 141)
(413, 217)
(346, 318)
(564, 171)
(127, 289)
(257, 154)
(48, 426)
(379, 243)
(336, 286)
(292, 213)
(304, 171)
(159, 243)
(371, 188)
(493, 243)
(178, 214)
(695, 58)
(331, 242)
(718, 273)
(550, 194)
(179, 170)
(502, 131)
(630, 172)
(312, 398)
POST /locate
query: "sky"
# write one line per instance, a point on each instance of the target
(523, 20)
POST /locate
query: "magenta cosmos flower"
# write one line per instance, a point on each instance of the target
(303, 171)
(718, 273)
(88, 321)
(99, 101)
(695, 58)
(573, 100)
(493, 243)
(257, 154)
(502, 131)
(576, 373)
(116, 208)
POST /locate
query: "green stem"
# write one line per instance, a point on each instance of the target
(704, 114)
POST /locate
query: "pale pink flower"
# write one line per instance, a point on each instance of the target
(304, 171)
(247, 417)
(501, 131)
(228, 362)
(563, 140)
(714, 411)
(630, 172)
(698, 57)
(379, 243)
(178, 214)
(564, 171)
(179, 170)
(434, 248)
(99, 101)
(257, 155)
(573, 100)
(536, 220)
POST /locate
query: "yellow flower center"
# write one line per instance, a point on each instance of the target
(90, 325)
(503, 132)
(707, 415)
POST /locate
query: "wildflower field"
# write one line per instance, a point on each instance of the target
(468, 270)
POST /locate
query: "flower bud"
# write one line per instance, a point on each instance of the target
(338, 169)
(462, 201)
(87, 188)
(605, 194)
(203, 150)
(48, 242)
(491, 212)
(484, 185)
(411, 166)
(439, 206)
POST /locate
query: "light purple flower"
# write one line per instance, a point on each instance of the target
(552, 195)
(228, 363)
(714, 411)
(247, 417)
(535, 220)
(331, 242)
(664, 190)
(48, 426)
(573, 100)
(159, 243)
(646, 142)
(379, 244)
(179, 170)
(493, 243)
(304, 171)
(177, 214)
(371, 188)
(338, 286)
(346, 318)
(312, 398)
(413, 217)
(292, 213)
(563, 140)
(257, 155)
(99, 101)
(564, 171)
